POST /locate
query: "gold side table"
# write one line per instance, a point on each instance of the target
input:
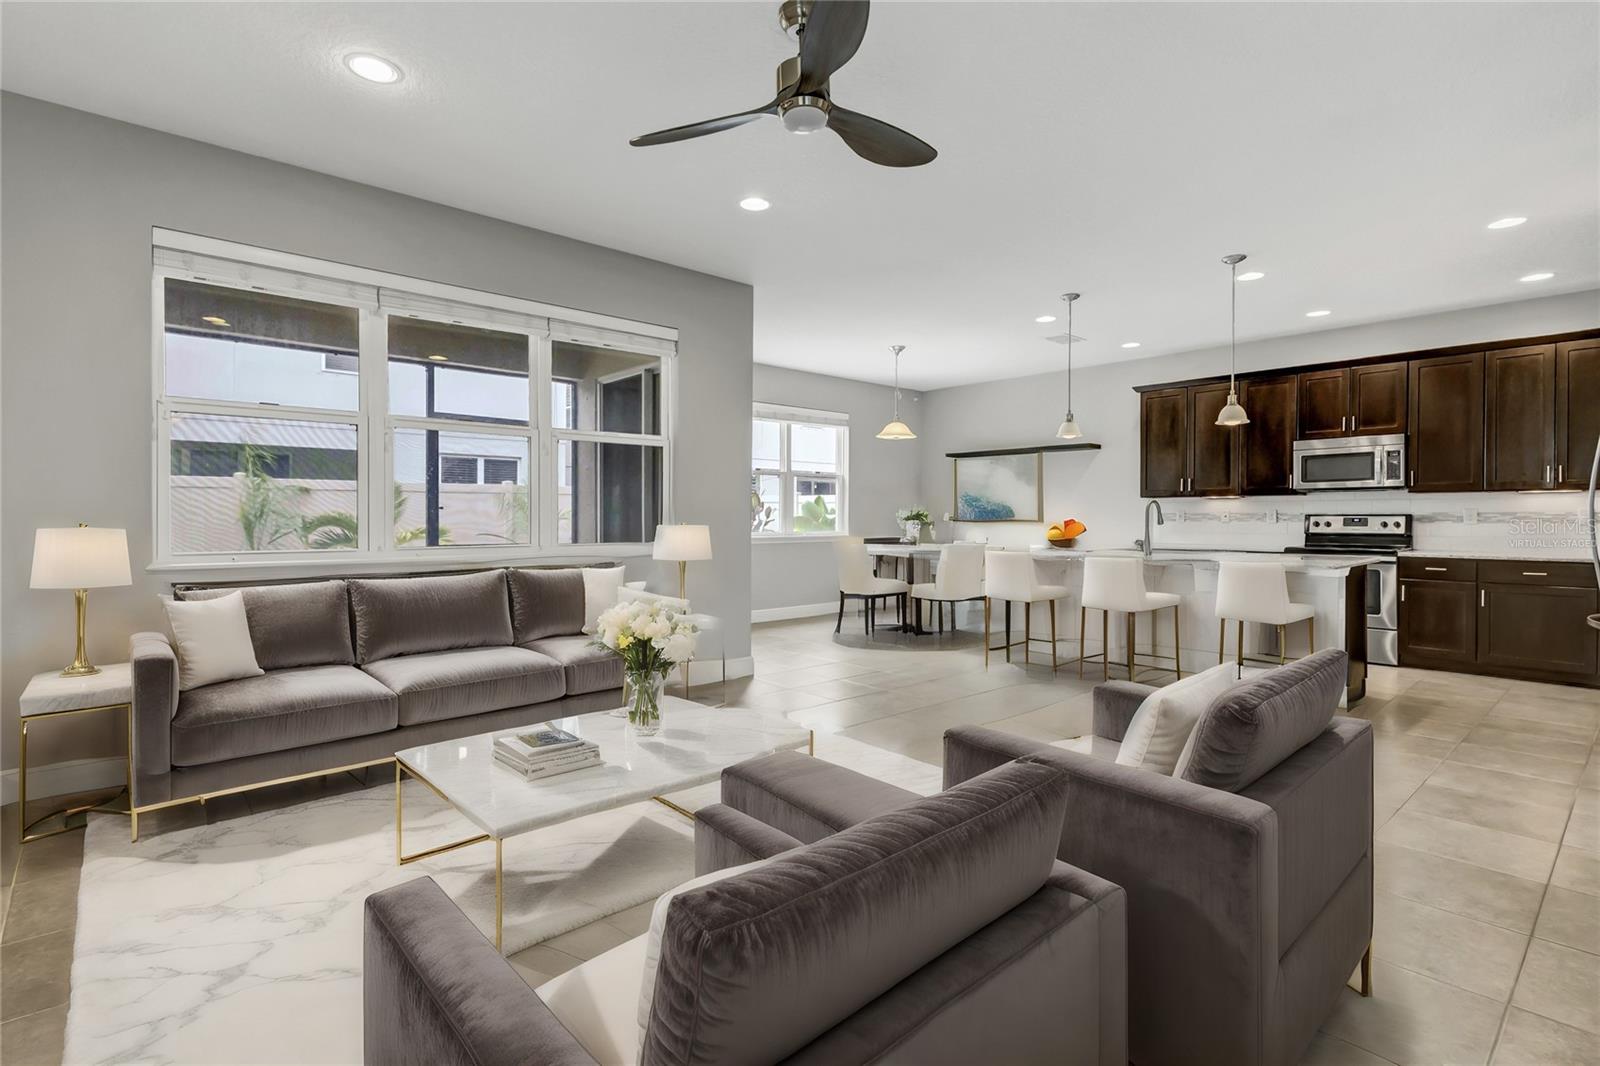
(50, 696)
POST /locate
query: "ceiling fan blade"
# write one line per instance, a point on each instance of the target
(832, 33)
(878, 142)
(700, 129)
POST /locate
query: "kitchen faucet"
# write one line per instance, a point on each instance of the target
(1146, 545)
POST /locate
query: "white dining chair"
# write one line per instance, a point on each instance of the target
(1010, 578)
(958, 579)
(857, 582)
(1116, 583)
(1259, 592)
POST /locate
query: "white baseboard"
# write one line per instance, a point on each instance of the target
(64, 778)
(709, 671)
(804, 610)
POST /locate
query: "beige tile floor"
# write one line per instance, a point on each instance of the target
(1487, 918)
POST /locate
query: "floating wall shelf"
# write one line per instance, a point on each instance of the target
(1083, 447)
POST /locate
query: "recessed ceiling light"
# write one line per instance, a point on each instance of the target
(1045, 318)
(372, 68)
(1318, 314)
(438, 358)
(215, 320)
(1506, 223)
(1130, 344)
(754, 203)
(1251, 275)
(1543, 275)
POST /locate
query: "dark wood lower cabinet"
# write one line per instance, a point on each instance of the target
(1438, 623)
(1539, 630)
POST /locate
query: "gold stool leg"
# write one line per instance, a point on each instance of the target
(1222, 639)
(1177, 643)
(1053, 662)
(1133, 631)
(1311, 635)
(1105, 645)
(986, 602)
(1083, 636)
(1239, 637)
(1027, 629)
(1282, 647)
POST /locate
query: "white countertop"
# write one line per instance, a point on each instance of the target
(1528, 556)
(1308, 563)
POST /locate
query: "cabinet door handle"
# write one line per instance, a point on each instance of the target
(1534, 573)
(1402, 594)
(1440, 569)
(1560, 472)
(1483, 598)
(1413, 477)
(1547, 473)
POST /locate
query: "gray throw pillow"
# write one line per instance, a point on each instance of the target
(1257, 724)
(407, 615)
(545, 603)
(756, 966)
(293, 624)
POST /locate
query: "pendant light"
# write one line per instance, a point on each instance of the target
(1068, 429)
(896, 429)
(1232, 414)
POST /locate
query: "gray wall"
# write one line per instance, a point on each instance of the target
(1102, 488)
(80, 195)
(882, 479)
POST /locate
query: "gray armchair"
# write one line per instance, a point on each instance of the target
(1250, 895)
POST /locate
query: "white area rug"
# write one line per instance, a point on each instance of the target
(240, 942)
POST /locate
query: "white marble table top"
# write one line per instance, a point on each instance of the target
(695, 745)
(49, 692)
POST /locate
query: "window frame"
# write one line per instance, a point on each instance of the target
(375, 425)
(787, 473)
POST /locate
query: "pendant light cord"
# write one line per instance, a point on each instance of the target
(1233, 329)
(1069, 358)
(897, 350)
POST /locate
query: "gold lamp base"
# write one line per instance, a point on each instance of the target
(80, 665)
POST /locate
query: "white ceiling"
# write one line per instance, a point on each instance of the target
(1355, 151)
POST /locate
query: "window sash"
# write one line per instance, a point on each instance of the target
(787, 473)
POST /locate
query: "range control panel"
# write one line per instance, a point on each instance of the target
(1386, 525)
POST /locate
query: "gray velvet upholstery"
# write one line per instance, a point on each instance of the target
(155, 692)
(807, 798)
(588, 668)
(724, 837)
(406, 615)
(1247, 911)
(283, 709)
(1115, 703)
(455, 684)
(1259, 722)
(734, 953)
(545, 603)
(293, 624)
(436, 993)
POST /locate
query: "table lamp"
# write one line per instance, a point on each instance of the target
(682, 545)
(80, 559)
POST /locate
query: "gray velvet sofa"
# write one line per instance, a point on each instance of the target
(358, 669)
(911, 930)
(1249, 880)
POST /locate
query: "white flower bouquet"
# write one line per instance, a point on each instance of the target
(651, 638)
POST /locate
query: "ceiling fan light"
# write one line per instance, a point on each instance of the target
(1068, 430)
(1232, 414)
(896, 430)
(802, 116)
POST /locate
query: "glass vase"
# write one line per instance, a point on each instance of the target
(642, 700)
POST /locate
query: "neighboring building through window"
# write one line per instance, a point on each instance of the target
(797, 471)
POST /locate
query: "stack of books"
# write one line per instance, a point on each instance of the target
(545, 752)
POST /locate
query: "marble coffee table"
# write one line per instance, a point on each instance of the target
(695, 744)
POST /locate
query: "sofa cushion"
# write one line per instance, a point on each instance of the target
(597, 1001)
(1161, 727)
(406, 615)
(279, 710)
(589, 669)
(454, 684)
(1257, 724)
(299, 624)
(845, 919)
(545, 603)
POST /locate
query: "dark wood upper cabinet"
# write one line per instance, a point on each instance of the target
(1163, 442)
(1446, 424)
(1519, 418)
(1577, 402)
(1266, 459)
(1378, 398)
(1324, 403)
(1214, 449)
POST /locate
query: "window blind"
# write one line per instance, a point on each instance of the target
(255, 276)
(785, 413)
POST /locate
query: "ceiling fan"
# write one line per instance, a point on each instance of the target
(830, 31)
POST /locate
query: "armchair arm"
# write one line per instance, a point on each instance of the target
(155, 701)
(724, 837)
(1114, 705)
(436, 993)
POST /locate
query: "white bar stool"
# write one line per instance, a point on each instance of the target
(1259, 592)
(958, 579)
(856, 582)
(1116, 583)
(1009, 577)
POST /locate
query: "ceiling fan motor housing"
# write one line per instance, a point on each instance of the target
(792, 15)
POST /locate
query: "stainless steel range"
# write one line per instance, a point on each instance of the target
(1383, 535)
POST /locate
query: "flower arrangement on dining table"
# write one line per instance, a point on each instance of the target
(651, 638)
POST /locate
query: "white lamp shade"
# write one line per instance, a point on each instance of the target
(682, 544)
(896, 430)
(80, 558)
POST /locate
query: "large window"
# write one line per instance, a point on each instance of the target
(797, 471)
(301, 412)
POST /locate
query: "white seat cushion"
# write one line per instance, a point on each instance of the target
(879, 586)
(1041, 593)
(928, 590)
(598, 1002)
(1161, 726)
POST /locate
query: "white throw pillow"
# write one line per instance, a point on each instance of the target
(658, 928)
(600, 585)
(1163, 722)
(213, 639)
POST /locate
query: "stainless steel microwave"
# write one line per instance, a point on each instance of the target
(1376, 462)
